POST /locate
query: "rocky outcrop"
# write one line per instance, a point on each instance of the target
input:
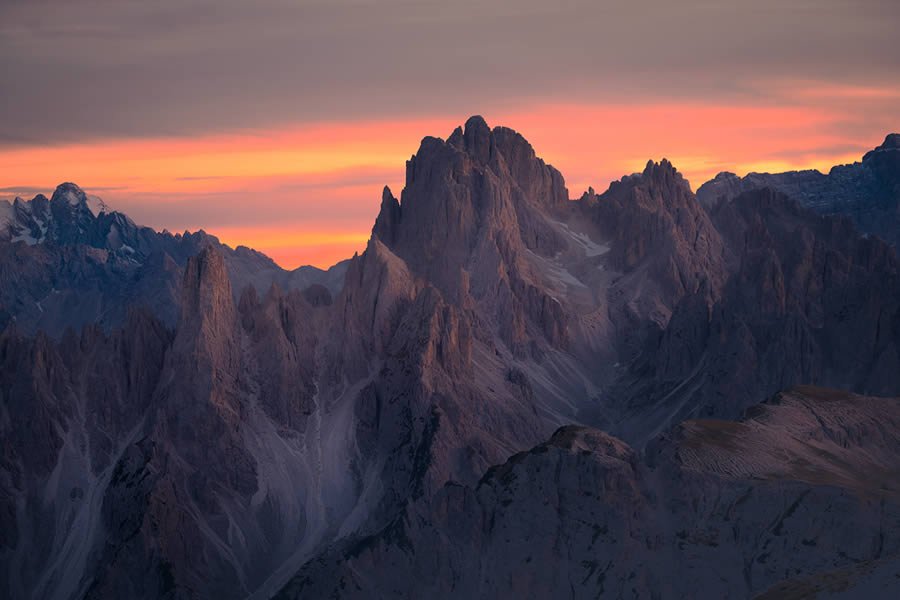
(712, 506)
(810, 301)
(654, 213)
(663, 246)
(472, 207)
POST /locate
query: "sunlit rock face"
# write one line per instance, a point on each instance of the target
(508, 393)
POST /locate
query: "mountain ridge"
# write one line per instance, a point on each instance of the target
(491, 344)
(867, 191)
(96, 263)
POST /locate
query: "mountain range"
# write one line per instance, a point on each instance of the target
(509, 393)
(79, 262)
(868, 191)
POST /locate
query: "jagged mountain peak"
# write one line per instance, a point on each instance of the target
(891, 141)
(479, 180)
(205, 279)
(503, 150)
(388, 217)
(664, 172)
(477, 139)
(208, 310)
(69, 193)
(71, 196)
(661, 176)
(866, 191)
(475, 123)
(657, 226)
(27, 206)
(884, 162)
(660, 186)
(473, 137)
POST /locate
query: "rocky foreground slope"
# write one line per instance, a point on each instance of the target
(274, 439)
(805, 484)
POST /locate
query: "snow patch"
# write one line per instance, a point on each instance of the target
(72, 198)
(96, 205)
(590, 247)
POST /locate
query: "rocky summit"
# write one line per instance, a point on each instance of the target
(643, 393)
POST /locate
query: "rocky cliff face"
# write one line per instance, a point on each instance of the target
(809, 300)
(661, 242)
(471, 210)
(153, 464)
(868, 191)
(270, 428)
(250, 436)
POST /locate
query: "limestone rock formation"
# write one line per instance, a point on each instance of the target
(809, 300)
(661, 241)
(387, 427)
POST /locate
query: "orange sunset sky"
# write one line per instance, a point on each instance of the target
(291, 160)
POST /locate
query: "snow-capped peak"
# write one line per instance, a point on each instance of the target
(96, 205)
(70, 194)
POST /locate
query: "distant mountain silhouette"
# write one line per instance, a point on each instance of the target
(68, 261)
(868, 192)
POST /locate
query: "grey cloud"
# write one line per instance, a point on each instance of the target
(100, 68)
(20, 190)
(342, 178)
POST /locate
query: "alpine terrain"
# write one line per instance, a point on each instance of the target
(511, 393)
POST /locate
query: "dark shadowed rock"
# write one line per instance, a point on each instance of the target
(713, 505)
(810, 301)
